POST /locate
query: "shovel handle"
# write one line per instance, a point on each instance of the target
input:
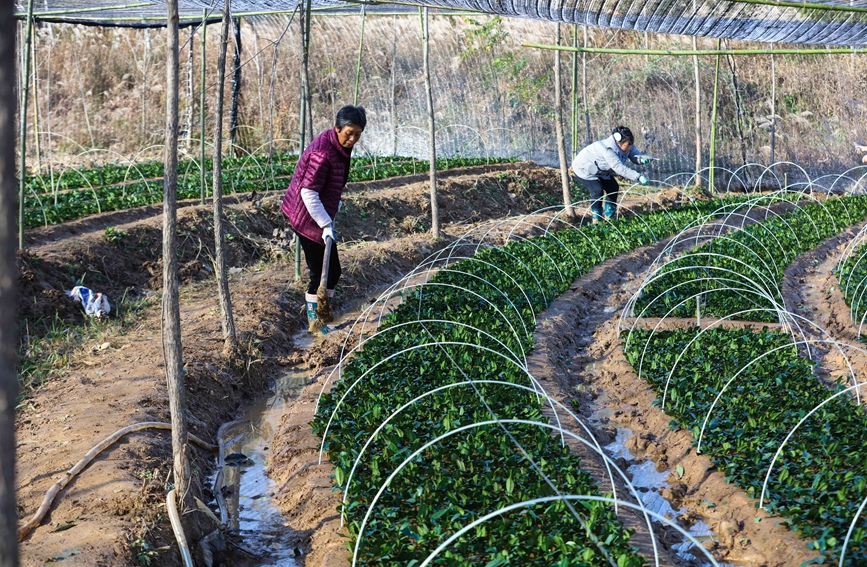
(326, 263)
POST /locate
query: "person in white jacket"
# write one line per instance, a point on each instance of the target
(597, 164)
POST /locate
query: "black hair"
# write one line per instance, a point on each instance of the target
(351, 115)
(622, 133)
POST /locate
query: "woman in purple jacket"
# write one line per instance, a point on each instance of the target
(313, 197)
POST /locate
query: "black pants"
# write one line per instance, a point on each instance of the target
(314, 253)
(599, 187)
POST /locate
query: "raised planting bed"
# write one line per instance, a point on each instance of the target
(78, 193)
(744, 270)
(756, 408)
(456, 454)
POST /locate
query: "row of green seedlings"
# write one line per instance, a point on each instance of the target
(116, 187)
(744, 269)
(456, 466)
(750, 399)
(852, 279)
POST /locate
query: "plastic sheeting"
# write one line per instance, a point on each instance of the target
(747, 20)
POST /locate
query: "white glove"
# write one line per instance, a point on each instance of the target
(328, 232)
(643, 180)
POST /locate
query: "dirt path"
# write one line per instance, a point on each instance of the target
(811, 290)
(113, 513)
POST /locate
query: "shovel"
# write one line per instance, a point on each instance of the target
(323, 309)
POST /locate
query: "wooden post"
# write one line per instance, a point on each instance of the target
(712, 158)
(236, 87)
(22, 121)
(202, 105)
(8, 289)
(434, 206)
(358, 63)
(171, 310)
(558, 127)
(226, 319)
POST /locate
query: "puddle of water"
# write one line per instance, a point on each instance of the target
(648, 482)
(252, 512)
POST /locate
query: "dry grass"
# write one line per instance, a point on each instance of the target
(102, 89)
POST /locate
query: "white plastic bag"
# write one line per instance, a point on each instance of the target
(95, 304)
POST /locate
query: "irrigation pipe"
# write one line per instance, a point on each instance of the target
(178, 529)
(33, 522)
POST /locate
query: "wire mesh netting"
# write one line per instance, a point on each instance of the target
(826, 22)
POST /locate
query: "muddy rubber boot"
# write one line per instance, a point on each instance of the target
(596, 210)
(610, 210)
(310, 299)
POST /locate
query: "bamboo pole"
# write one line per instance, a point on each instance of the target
(82, 10)
(203, 189)
(191, 93)
(712, 159)
(691, 52)
(358, 63)
(8, 291)
(22, 119)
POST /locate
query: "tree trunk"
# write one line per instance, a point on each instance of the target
(739, 123)
(434, 206)
(236, 88)
(773, 110)
(393, 88)
(589, 138)
(558, 124)
(8, 289)
(697, 115)
(228, 322)
(171, 309)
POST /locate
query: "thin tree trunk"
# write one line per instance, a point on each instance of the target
(236, 88)
(48, 114)
(191, 93)
(394, 87)
(36, 133)
(558, 126)
(145, 83)
(434, 206)
(588, 137)
(259, 77)
(83, 96)
(22, 119)
(171, 309)
(226, 318)
(8, 289)
(697, 129)
(739, 123)
(773, 110)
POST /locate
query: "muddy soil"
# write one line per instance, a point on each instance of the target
(114, 512)
(578, 357)
(812, 292)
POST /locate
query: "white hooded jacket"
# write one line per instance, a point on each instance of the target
(603, 159)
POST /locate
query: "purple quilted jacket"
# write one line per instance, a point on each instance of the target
(323, 167)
